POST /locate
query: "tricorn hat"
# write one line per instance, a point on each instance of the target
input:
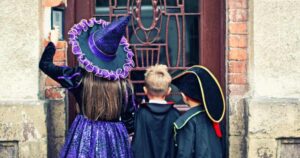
(101, 47)
(200, 84)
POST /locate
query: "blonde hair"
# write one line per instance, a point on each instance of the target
(157, 80)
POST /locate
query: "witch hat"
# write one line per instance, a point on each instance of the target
(102, 48)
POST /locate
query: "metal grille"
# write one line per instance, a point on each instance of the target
(161, 32)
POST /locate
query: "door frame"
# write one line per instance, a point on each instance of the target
(212, 45)
(212, 32)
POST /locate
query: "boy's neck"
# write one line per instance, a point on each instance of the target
(156, 98)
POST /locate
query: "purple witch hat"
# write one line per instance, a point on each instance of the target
(102, 48)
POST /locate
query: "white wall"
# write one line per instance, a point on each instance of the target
(276, 48)
(20, 46)
(273, 108)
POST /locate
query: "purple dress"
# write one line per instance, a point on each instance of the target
(87, 138)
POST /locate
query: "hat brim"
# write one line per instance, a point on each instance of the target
(116, 68)
(211, 94)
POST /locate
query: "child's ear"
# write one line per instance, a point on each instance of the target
(145, 90)
(169, 91)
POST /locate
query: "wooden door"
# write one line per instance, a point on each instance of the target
(178, 33)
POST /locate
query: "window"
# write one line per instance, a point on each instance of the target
(161, 31)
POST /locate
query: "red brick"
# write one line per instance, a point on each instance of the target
(236, 4)
(238, 15)
(52, 3)
(238, 28)
(59, 63)
(54, 93)
(238, 41)
(61, 44)
(237, 90)
(237, 54)
(59, 55)
(50, 82)
(237, 78)
(237, 67)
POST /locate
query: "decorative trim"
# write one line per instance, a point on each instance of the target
(77, 85)
(69, 77)
(203, 93)
(196, 113)
(120, 73)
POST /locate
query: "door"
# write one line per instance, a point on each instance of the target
(178, 33)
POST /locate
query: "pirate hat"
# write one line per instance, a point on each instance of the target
(200, 84)
(101, 47)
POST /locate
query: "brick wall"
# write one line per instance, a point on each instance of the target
(53, 90)
(237, 79)
(56, 105)
(237, 11)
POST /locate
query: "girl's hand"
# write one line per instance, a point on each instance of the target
(53, 35)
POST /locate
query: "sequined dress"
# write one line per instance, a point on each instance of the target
(87, 138)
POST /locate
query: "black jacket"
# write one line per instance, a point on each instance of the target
(71, 78)
(195, 136)
(153, 136)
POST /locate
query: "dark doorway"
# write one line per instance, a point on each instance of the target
(178, 33)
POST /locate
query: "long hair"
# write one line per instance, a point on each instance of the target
(102, 99)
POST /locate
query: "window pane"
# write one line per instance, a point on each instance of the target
(102, 7)
(169, 36)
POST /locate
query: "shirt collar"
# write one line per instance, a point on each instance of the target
(183, 119)
(158, 101)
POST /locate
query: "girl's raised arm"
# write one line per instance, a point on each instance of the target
(68, 77)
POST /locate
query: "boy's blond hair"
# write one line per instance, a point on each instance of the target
(157, 80)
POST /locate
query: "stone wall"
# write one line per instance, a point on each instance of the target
(272, 110)
(24, 126)
(56, 111)
(23, 130)
(56, 126)
(269, 122)
(20, 47)
(263, 59)
(237, 81)
(276, 48)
